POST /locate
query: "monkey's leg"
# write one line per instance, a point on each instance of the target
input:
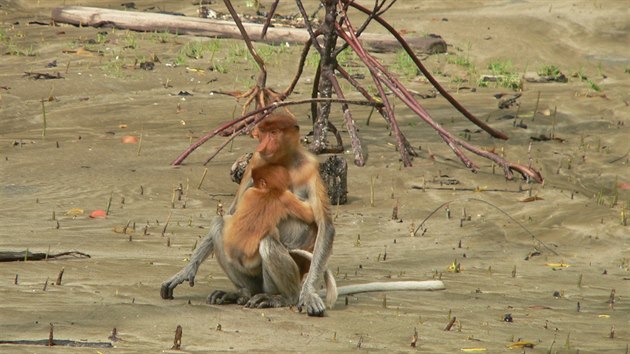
(247, 281)
(281, 276)
(202, 252)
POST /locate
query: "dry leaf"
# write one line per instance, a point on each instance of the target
(123, 230)
(521, 344)
(129, 139)
(74, 212)
(474, 350)
(531, 199)
(84, 52)
(539, 307)
(98, 214)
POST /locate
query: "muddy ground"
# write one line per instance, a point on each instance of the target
(558, 300)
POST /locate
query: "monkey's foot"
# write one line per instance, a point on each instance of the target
(220, 297)
(262, 301)
(313, 303)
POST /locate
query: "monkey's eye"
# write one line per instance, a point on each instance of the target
(274, 132)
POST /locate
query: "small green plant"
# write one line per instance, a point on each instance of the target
(194, 50)
(197, 50)
(347, 58)
(269, 52)
(237, 53)
(549, 70)
(219, 68)
(4, 37)
(114, 67)
(463, 61)
(312, 60)
(505, 75)
(593, 86)
(405, 66)
(590, 83)
(101, 37)
(160, 37)
(130, 41)
(13, 49)
(181, 59)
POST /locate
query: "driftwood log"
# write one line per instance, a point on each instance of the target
(149, 22)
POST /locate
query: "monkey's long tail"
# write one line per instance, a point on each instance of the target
(391, 286)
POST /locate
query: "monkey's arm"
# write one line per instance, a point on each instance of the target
(203, 250)
(297, 207)
(318, 199)
(207, 245)
(246, 183)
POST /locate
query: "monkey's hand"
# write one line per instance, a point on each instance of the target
(314, 304)
(186, 274)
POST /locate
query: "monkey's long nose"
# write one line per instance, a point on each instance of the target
(262, 146)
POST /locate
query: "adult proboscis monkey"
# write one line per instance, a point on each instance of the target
(278, 137)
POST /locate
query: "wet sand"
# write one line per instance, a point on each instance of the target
(81, 163)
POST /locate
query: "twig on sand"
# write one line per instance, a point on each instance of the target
(10, 256)
(492, 205)
(51, 341)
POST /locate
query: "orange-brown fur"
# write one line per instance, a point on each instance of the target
(275, 280)
(279, 143)
(262, 207)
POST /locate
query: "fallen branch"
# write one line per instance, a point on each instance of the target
(495, 207)
(58, 342)
(150, 22)
(9, 256)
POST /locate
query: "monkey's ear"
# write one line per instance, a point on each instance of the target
(255, 133)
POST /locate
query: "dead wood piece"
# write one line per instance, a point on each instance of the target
(42, 76)
(58, 342)
(10, 256)
(334, 172)
(143, 21)
(238, 168)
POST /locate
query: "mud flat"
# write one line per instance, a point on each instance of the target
(553, 275)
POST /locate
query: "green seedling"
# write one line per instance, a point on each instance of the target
(404, 65)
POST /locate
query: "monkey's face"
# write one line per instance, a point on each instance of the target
(276, 145)
(269, 146)
(278, 137)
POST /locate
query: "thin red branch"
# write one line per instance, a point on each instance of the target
(248, 118)
(380, 109)
(262, 78)
(427, 74)
(270, 14)
(399, 90)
